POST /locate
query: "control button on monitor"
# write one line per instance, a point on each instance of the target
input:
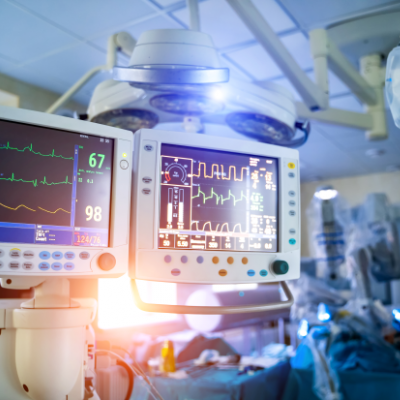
(124, 164)
(1, 253)
(84, 255)
(223, 272)
(167, 259)
(291, 175)
(292, 241)
(1, 264)
(147, 179)
(251, 272)
(15, 253)
(69, 255)
(148, 147)
(27, 265)
(200, 259)
(230, 260)
(215, 260)
(56, 266)
(29, 254)
(57, 255)
(291, 165)
(280, 267)
(292, 213)
(14, 265)
(263, 272)
(106, 261)
(44, 255)
(292, 231)
(44, 266)
(292, 203)
(245, 260)
(292, 193)
(69, 266)
(146, 191)
(176, 272)
(184, 259)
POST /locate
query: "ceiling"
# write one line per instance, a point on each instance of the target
(51, 44)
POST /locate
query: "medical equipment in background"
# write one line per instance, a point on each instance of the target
(64, 214)
(329, 225)
(226, 295)
(213, 212)
(374, 258)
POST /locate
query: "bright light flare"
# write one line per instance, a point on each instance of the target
(117, 308)
(326, 194)
(396, 314)
(218, 94)
(303, 329)
(232, 288)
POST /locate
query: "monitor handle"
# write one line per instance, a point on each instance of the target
(208, 310)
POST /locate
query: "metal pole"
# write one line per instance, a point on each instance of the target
(193, 7)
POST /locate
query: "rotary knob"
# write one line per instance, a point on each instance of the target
(107, 262)
(280, 267)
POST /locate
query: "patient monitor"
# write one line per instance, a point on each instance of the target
(212, 210)
(65, 188)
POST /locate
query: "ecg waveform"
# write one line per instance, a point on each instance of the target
(217, 168)
(220, 199)
(35, 182)
(29, 148)
(226, 225)
(31, 209)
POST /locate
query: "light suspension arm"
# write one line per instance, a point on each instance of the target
(314, 97)
(193, 7)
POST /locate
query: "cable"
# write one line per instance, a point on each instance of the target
(131, 371)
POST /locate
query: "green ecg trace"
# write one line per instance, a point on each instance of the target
(35, 182)
(29, 148)
(219, 198)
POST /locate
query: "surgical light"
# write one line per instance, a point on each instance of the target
(396, 314)
(303, 329)
(173, 58)
(323, 313)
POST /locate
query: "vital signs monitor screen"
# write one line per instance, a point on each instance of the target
(215, 200)
(55, 186)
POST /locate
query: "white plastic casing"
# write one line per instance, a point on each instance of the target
(120, 205)
(147, 262)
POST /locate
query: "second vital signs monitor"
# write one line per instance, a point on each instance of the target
(214, 210)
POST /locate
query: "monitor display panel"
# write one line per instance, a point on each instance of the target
(55, 186)
(216, 200)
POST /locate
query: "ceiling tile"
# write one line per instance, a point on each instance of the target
(317, 14)
(274, 15)
(89, 17)
(71, 64)
(165, 3)
(260, 65)
(219, 20)
(25, 36)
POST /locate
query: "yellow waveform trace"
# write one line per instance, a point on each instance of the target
(53, 212)
(217, 168)
(205, 170)
(16, 208)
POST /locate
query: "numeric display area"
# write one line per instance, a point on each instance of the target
(55, 186)
(215, 200)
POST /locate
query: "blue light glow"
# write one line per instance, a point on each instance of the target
(324, 314)
(303, 329)
(396, 314)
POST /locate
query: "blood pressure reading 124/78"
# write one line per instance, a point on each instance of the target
(216, 200)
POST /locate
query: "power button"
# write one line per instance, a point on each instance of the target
(124, 164)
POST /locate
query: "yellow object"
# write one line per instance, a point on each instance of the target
(124, 155)
(167, 357)
(291, 165)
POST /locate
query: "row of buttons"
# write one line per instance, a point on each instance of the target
(224, 272)
(43, 266)
(292, 203)
(45, 255)
(200, 260)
